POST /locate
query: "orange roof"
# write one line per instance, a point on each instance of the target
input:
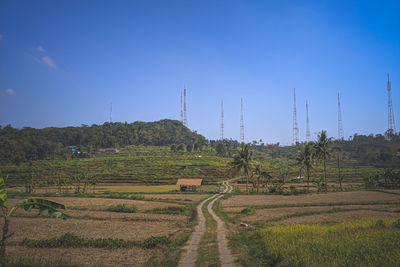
(189, 182)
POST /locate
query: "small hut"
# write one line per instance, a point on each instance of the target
(190, 184)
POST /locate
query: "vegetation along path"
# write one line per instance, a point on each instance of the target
(189, 258)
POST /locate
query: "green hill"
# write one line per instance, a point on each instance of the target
(132, 165)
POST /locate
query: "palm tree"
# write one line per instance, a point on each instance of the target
(241, 162)
(305, 160)
(323, 150)
(338, 153)
(259, 173)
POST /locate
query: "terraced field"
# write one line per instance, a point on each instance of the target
(117, 238)
(133, 165)
(318, 226)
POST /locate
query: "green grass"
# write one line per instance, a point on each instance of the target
(360, 242)
(122, 208)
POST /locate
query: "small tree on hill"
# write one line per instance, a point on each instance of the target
(305, 160)
(323, 150)
(241, 163)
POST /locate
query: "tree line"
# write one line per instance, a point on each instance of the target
(26, 144)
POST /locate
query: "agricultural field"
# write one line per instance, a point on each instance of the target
(340, 228)
(134, 165)
(104, 231)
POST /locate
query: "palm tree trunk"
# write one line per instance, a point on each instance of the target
(340, 178)
(308, 179)
(326, 186)
(247, 180)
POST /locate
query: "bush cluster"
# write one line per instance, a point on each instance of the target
(122, 208)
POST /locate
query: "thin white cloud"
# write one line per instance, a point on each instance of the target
(49, 61)
(1, 36)
(9, 91)
(40, 49)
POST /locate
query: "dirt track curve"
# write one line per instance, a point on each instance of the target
(190, 256)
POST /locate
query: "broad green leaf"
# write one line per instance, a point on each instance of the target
(3, 194)
(46, 207)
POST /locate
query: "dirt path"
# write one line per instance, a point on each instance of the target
(225, 255)
(190, 256)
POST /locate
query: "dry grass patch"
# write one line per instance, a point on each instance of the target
(337, 217)
(115, 216)
(267, 214)
(354, 196)
(44, 228)
(104, 203)
(181, 197)
(83, 256)
(136, 188)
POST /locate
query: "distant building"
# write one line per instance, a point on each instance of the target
(109, 150)
(190, 184)
(72, 148)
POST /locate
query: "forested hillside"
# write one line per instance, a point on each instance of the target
(19, 145)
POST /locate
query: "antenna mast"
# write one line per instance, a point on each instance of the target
(340, 123)
(308, 135)
(222, 120)
(181, 107)
(391, 125)
(241, 122)
(110, 112)
(295, 125)
(184, 107)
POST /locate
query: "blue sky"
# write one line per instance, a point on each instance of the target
(63, 62)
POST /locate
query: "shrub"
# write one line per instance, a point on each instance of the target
(156, 241)
(396, 223)
(167, 210)
(123, 208)
(248, 211)
(379, 223)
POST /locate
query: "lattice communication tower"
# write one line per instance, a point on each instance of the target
(241, 122)
(185, 122)
(340, 123)
(308, 135)
(295, 125)
(222, 120)
(391, 124)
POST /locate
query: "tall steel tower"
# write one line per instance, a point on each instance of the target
(295, 125)
(391, 125)
(181, 107)
(110, 112)
(308, 135)
(184, 107)
(340, 123)
(241, 122)
(222, 120)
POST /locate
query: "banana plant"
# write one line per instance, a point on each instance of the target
(46, 208)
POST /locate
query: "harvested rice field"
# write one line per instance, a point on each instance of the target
(357, 228)
(90, 220)
(312, 208)
(354, 196)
